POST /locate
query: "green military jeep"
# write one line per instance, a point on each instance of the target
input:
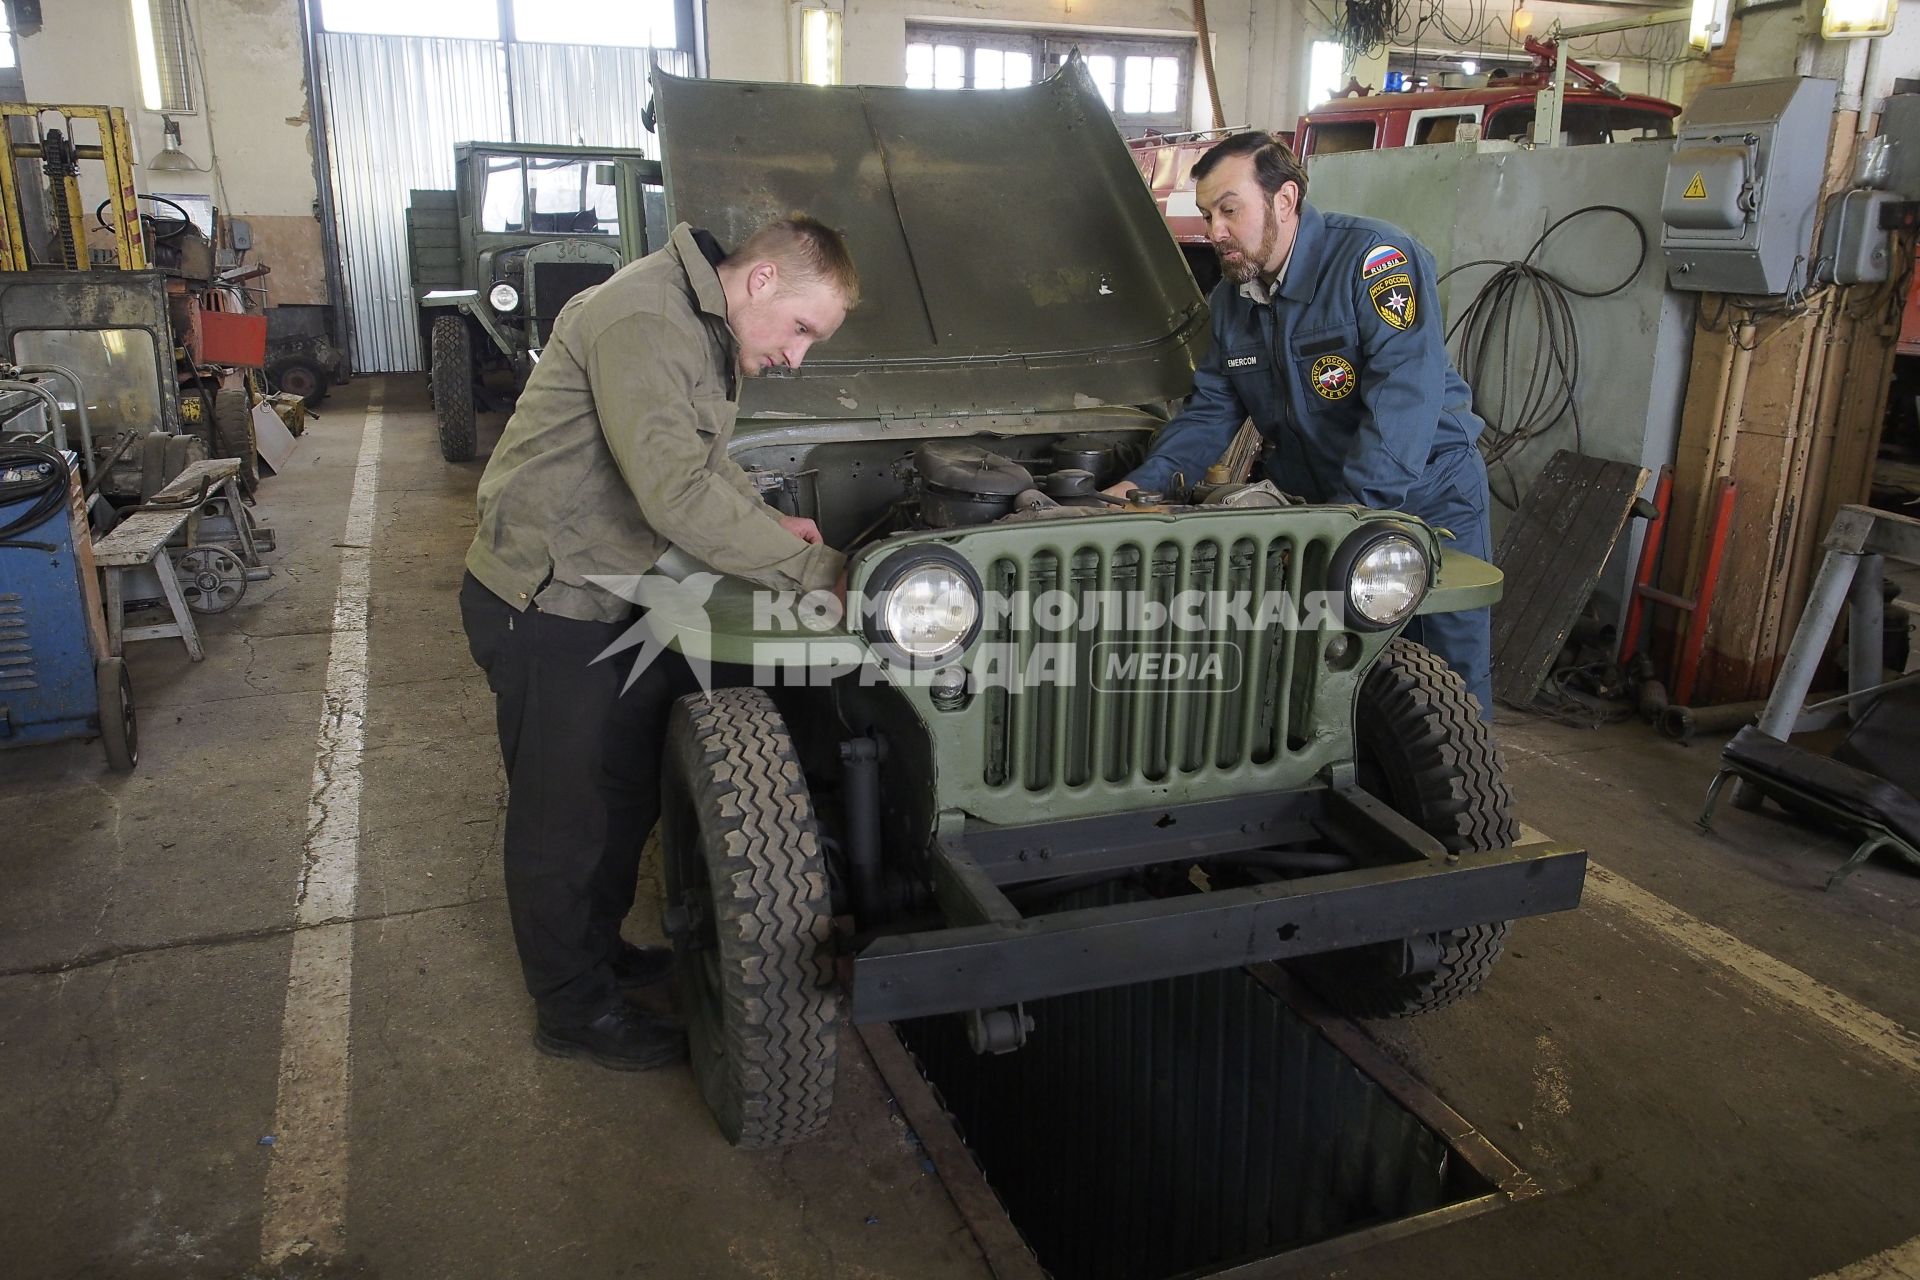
(493, 261)
(1199, 699)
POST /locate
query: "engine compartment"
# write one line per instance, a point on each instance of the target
(861, 491)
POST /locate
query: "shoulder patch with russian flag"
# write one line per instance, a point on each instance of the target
(1382, 257)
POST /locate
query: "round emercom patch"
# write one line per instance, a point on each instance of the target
(1333, 377)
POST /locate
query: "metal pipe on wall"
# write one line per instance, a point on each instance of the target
(1868, 76)
(1731, 404)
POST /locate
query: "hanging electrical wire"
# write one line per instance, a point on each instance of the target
(1519, 348)
(1364, 27)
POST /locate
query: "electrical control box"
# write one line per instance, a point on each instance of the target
(1743, 184)
(1855, 247)
(1900, 126)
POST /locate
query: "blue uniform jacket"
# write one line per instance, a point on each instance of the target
(1347, 378)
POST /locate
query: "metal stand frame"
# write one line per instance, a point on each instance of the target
(1858, 547)
(1851, 577)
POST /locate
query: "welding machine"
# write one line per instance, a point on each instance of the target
(56, 680)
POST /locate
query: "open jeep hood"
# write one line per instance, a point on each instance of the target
(1010, 258)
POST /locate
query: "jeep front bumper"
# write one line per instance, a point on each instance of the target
(1402, 884)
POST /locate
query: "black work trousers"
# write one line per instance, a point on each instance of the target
(583, 765)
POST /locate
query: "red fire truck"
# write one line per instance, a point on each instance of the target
(1500, 107)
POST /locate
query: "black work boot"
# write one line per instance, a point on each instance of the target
(623, 1038)
(637, 967)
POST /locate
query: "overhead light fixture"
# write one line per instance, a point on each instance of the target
(171, 157)
(1856, 19)
(149, 55)
(1521, 23)
(1707, 27)
(819, 46)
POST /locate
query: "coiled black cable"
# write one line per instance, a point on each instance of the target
(43, 488)
(1536, 369)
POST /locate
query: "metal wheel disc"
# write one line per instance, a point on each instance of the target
(211, 578)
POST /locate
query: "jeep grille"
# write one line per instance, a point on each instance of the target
(1116, 722)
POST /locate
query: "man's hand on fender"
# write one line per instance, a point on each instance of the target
(802, 528)
(1120, 490)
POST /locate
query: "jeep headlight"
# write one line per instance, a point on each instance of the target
(925, 607)
(504, 297)
(1387, 576)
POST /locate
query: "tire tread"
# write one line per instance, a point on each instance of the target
(770, 1081)
(450, 371)
(1458, 794)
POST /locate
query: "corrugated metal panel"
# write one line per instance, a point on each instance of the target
(1173, 1128)
(396, 105)
(586, 95)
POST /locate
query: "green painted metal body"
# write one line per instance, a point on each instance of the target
(1018, 281)
(1278, 714)
(455, 260)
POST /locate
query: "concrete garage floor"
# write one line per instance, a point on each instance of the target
(1691, 1062)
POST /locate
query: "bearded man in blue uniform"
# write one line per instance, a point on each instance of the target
(1327, 333)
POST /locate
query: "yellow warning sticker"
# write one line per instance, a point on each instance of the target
(1697, 189)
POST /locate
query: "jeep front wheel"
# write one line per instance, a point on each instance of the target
(1423, 749)
(748, 909)
(450, 370)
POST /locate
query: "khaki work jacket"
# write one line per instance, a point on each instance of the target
(618, 450)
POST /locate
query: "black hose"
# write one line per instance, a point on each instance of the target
(44, 489)
(1535, 394)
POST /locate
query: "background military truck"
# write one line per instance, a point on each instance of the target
(493, 261)
(914, 838)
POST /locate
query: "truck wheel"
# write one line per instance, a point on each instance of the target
(302, 376)
(119, 729)
(748, 909)
(451, 372)
(1424, 750)
(233, 434)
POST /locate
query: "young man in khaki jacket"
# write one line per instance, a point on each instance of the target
(616, 451)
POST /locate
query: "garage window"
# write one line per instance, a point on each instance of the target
(459, 19)
(636, 24)
(641, 24)
(1147, 83)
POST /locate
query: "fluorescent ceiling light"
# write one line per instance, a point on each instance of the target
(148, 53)
(1855, 19)
(1707, 28)
(819, 46)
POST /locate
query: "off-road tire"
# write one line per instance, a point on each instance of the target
(233, 434)
(451, 373)
(746, 873)
(1424, 750)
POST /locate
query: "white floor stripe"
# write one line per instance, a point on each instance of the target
(1782, 982)
(306, 1188)
(1902, 1262)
